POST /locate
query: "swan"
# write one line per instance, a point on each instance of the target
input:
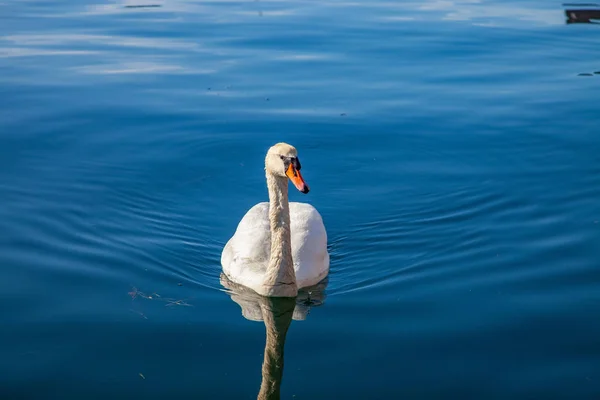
(278, 247)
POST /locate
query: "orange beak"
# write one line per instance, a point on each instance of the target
(296, 178)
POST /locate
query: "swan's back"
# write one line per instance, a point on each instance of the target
(246, 255)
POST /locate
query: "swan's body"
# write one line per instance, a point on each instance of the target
(278, 246)
(246, 255)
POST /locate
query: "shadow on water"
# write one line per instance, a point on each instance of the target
(277, 314)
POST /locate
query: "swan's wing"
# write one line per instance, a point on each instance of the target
(245, 256)
(252, 238)
(309, 244)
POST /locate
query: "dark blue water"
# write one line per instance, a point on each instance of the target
(451, 147)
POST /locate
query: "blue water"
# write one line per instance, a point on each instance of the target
(452, 148)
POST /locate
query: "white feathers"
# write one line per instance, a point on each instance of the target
(246, 255)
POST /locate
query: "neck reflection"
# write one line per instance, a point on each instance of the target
(277, 314)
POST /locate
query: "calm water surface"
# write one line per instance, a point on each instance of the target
(451, 147)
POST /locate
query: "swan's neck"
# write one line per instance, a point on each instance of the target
(280, 278)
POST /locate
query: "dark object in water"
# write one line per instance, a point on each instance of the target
(585, 74)
(597, 72)
(145, 6)
(580, 16)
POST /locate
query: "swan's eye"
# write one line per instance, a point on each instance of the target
(291, 160)
(296, 163)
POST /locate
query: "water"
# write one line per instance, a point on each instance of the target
(451, 147)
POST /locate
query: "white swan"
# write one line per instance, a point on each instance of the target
(278, 246)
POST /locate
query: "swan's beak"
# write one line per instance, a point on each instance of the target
(296, 178)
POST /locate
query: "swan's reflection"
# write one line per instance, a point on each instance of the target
(277, 314)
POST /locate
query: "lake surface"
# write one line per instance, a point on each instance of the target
(452, 148)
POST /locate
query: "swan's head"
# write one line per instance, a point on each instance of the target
(282, 160)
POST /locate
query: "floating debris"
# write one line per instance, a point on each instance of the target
(582, 16)
(585, 74)
(135, 292)
(144, 6)
(178, 303)
(141, 314)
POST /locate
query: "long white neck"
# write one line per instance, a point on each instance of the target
(280, 278)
